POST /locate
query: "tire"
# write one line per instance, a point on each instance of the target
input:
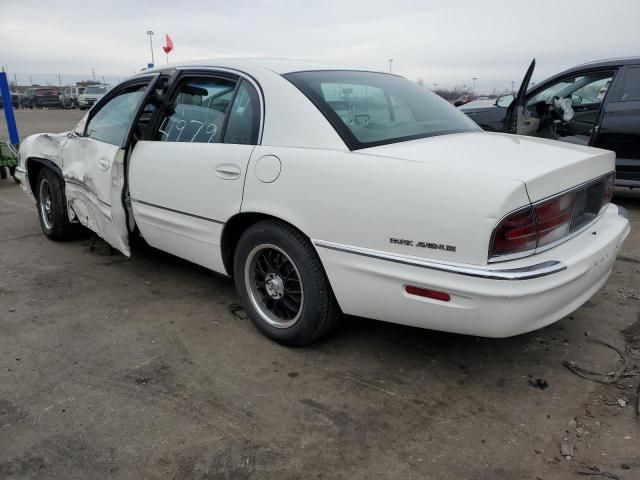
(3, 173)
(52, 211)
(298, 306)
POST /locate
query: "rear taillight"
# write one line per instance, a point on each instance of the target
(516, 233)
(609, 185)
(546, 222)
(554, 218)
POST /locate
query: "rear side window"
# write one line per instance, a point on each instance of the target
(369, 109)
(244, 118)
(631, 87)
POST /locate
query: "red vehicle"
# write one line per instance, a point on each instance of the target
(41, 97)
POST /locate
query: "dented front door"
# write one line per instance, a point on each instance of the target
(94, 179)
(93, 163)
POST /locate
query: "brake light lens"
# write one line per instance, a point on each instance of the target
(547, 222)
(554, 218)
(609, 186)
(516, 233)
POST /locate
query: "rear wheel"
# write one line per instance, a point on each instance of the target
(282, 284)
(52, 210)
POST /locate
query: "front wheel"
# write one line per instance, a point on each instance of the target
(281, 282)
(52, 210)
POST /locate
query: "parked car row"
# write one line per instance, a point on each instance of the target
(53, 97)
(595, 104)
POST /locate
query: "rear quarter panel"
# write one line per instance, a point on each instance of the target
(362, 200)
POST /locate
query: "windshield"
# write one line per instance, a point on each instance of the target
(369, 109)
(96, 89)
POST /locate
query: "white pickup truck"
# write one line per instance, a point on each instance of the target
(91, 95)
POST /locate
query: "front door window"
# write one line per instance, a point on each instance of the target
(112, 122)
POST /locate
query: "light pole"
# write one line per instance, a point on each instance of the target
(474, 86)
(513, 86)
(390, 65)
(93, 72)
(150, 33)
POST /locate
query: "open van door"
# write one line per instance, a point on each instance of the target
(518, 118)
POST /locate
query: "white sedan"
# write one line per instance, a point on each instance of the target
(324, 190)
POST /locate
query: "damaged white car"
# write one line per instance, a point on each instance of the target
(325, 190)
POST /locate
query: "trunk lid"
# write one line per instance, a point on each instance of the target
(546, 167)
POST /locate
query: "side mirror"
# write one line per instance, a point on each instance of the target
(576, 99)
(505, 101)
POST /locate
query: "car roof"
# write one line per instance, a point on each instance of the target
(278, 65)
(612, 62)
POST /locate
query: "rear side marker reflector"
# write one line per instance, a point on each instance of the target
(425, 292)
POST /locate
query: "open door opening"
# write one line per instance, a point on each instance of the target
(566, 109)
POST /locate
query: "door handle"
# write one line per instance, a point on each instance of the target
(227, 171)
(104, 164)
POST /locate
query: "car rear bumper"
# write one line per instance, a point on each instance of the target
(498, 300)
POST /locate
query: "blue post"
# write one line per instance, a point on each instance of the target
(8, 109)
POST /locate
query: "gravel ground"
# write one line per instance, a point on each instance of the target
(139, 368)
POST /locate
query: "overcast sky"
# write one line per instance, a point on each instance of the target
(442, 41)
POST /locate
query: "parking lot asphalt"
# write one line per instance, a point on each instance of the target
(142, 368)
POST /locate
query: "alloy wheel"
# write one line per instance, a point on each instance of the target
(44, 202)
(274, 285)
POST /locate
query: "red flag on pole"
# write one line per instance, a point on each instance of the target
(168, 44)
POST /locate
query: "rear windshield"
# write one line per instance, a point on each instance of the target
(369, 109)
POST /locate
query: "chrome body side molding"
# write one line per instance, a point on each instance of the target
(522, 273)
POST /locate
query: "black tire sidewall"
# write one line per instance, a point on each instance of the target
(316, 291)
(58, 205)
